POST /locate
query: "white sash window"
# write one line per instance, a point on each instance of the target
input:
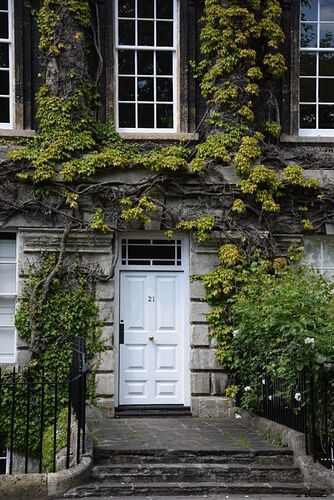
(146, 54)
(7, 297)
(6, 64)
(316, 108)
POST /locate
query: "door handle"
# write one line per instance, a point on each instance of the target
(121, 333)
(151, 339)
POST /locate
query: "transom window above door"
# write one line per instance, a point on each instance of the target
(316, 107)
(151, 252)
(146, 65)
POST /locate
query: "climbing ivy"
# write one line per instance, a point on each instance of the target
(50, 313)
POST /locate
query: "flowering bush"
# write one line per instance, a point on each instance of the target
(285, 322)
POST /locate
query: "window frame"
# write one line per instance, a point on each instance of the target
(10, 41)
(313, 132)
(176, 77)
(11, 359)
(321, 240)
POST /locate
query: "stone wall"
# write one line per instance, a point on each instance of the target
(208, 380)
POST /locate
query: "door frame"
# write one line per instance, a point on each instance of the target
(184, 268)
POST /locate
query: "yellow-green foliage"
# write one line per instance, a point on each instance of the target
(98, 222)
(294, 175)
(138, 210)
(202, 227)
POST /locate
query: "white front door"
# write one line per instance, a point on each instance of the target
(152, 338)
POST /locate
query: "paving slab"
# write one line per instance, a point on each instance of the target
(179, 433)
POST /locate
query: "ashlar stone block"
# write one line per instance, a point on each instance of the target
(219, 382)
(198, 312)
(105, 384)
(200, 335)
(200, 383)
(204, 359)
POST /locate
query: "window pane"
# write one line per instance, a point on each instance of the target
(326, 10)
(326, 117)
(328, 253)
(146, 115)
(326, 64)
(7, 308)
(145, 33)
(126, 32)
(308, 62)
(3, 4)
(3, 25)
(127, 117)
(126, 89)
(312, 252)
(165, 116)
(326, 90)
(4, 110)
(4, 55)
(309, 10)
(327, 35)
(4, 82)
(145, 62)
(307, 116)
(145, 89)
(126, 62)
(164, 89)
(8, 278)
(146, 8)
(308, 35)
(307, 89)
(7, 249)
(164, 63)
(126, 8)
(165, 9)
(7, 341)
(165, 34)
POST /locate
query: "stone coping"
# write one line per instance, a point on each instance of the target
(48, 485)
(312, 472)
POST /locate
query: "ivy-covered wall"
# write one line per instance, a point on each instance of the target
(77, 184)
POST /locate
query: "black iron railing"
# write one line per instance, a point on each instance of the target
(35, 404)
(304, 411)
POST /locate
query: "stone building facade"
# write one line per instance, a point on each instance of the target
(172, 361)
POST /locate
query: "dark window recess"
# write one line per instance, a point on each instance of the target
(3, 4)
(4, 110)
(4, 30)
(152, 252)
(126, 8)
(4, 55)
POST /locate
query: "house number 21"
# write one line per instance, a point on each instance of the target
(151, 299)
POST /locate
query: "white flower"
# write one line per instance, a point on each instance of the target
(309, 340)
(298, 397)
(270, 397)
(247, 388)
(328, 365)
(237, 415)
(235, 333)
(264, 381)
(320, 359)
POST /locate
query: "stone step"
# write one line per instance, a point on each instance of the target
(105, 456)
(186, 489)
(131, 473)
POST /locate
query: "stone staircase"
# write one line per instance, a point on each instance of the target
(161, 472)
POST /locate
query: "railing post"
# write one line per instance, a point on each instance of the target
(26, 448)
(55, 420)
(41, 423)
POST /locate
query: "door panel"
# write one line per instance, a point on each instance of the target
(152, 356)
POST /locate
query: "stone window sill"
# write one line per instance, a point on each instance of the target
(16, 133)
(297, 139)
(149, 136)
